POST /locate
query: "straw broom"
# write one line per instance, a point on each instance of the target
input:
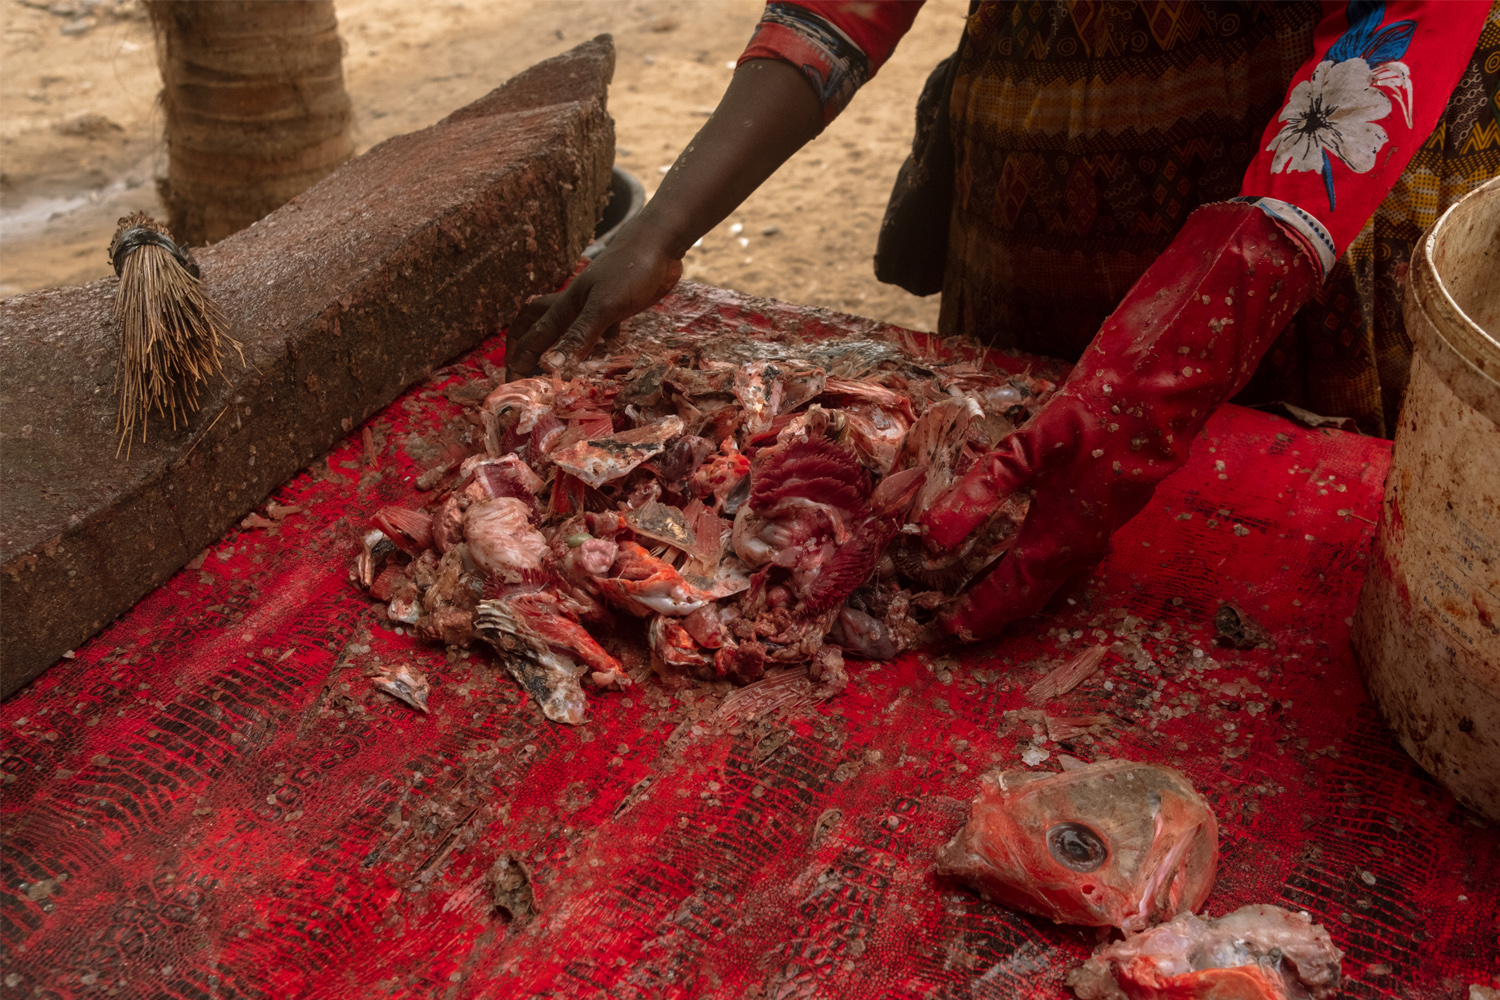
(171, 332)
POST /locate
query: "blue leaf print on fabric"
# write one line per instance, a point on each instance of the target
(1334, 113)
(1391, 43)
(1364, 17)
(1366, 40)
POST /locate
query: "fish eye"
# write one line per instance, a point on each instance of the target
(1077, 847)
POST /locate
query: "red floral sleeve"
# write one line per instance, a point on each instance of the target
(1378, 80)
(839, 44)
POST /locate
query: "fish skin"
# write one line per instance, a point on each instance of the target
(1258, 952)
(676, 648)
(549, 675)
(643, 585)
(760, 392)
(501, 539)
(934, 442)
(662, 522)
(375, 545)
(1160, 836)
(875, 435)
(448, 524)
(529, 397)
(410, 530)
(404, 682)
(603, 460)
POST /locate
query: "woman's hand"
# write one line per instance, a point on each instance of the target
(632, 274)
(768, 113)
(1187, 337)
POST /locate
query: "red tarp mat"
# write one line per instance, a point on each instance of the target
(212, 801)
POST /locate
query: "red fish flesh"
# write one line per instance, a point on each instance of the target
(1111, 844)
(734, 505)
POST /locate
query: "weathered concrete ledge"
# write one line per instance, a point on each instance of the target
(361, 286)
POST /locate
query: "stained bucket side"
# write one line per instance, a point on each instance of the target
(1427, 629)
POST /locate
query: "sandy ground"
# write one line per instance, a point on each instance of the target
(80, 131)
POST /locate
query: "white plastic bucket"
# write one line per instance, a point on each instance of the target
(1427, 631)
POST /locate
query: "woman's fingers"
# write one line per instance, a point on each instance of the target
(535, 329)
(605, 304)
(535, 308)
(567, 325)
(579, 338)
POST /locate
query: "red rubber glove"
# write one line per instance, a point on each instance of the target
(1187, 337)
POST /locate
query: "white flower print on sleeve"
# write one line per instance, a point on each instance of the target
(1334, 113)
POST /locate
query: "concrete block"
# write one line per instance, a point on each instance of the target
(364, 284)
(580, 74)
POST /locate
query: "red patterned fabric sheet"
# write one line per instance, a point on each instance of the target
(211, 800)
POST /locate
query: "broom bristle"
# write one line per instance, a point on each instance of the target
(171, 336)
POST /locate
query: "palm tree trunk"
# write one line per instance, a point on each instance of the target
(255, 108)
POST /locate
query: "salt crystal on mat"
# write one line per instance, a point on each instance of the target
(1034, 755)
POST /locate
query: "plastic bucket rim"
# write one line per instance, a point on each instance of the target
(1468, 329)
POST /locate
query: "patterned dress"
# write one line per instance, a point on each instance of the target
(1085, 133)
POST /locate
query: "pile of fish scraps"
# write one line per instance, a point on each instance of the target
(737, 504)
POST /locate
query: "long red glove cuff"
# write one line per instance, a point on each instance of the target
(1187, 336)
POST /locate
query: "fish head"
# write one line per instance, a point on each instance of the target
(1113, 843)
